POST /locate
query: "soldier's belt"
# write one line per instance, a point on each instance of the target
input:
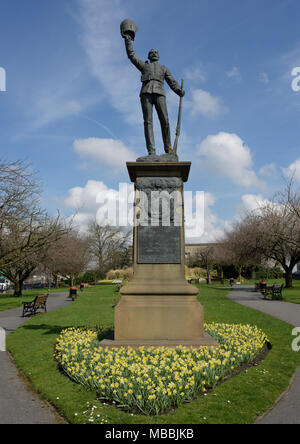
(149, 80)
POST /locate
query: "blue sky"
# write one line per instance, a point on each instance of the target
(71, 105)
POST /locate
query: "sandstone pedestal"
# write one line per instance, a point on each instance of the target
(158, 307)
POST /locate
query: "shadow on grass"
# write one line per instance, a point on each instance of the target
(103, 332)
(48, 329)
(246, 289)
(227, 289)
(224, 289)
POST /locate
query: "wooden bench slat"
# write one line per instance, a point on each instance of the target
(38, 303)
(273, 292)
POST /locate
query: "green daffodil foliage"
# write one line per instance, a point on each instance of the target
(153, 380)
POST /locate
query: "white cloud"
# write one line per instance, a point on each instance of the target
(97, 200)
(234, 73)
(104, 151)
(268, 170)
(226, 155)
(253, 202)
(264, 78)
(63, 93)
(102, 42)
(206, 104)
(49, 109)
(84, 199)
(80, 221)
(73, 107)
(293, 170)
(202, 225)
(195, 74)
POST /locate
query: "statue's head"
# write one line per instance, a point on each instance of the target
(153, 55)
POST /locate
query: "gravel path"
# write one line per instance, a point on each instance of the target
(18, 403)
(287, 410)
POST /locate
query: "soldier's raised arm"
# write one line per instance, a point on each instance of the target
(131, 54)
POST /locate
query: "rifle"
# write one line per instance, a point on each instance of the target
(178, 123)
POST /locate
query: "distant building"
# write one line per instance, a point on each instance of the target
(191, 250)
(4, 283)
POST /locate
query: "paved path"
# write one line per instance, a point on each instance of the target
(18, 403)
(285, 311)
(287, 411)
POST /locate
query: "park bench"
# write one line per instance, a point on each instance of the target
(260, 286)
(273, 292)
(38, 303)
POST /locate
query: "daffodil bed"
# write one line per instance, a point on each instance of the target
(153, 380)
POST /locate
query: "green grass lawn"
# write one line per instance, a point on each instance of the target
(8, 301)
(239, 400)
(292, 294)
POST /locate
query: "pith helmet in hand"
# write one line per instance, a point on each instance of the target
(128, 27)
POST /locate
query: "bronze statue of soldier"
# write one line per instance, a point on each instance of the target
(152, 92)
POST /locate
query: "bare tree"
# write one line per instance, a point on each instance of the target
(281, 237)
(223, 257)
(290, 198)
(19, 194)
(26, 230)
(18, 273)
(107, 245)
(241, 248)
(18, 187)
(68, 256)
(207, 260)
(270, 233)
(26, 243)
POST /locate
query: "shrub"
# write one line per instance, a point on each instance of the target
(196, 272)
(124, 274)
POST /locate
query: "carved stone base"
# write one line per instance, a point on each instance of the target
(172, 318)
(159, 158)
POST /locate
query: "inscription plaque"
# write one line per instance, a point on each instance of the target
(159, 245)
